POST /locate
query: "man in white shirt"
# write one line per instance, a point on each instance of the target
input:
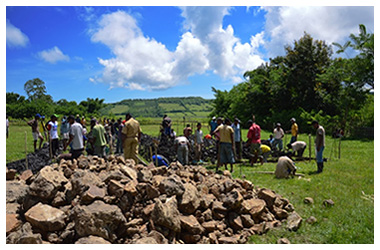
(75, 138)
(182, 145)
(278, 134)
(198, 142)
(297, 147)
(285, 167)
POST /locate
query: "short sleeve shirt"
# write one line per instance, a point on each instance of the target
(131, 128)
(236, 131)
(98, 132)
(76, 130)
(320, 136)
(254, 133)
(225, 133)
(294, 129)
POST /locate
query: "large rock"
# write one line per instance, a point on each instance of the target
(172, 185)
(233, 199)
(47, 182)
(294, 221)
(167, 214)
(191, 224)
(189, 202)
(46, 218)
(253, 206)
(16, 191)
(92, 240)
(24, 235)
(268, 196)
(99, 219)
(12, 223)
(82, 180)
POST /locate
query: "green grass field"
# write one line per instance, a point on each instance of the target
(348, 181)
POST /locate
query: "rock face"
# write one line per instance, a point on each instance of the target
(100, 201)
(46, 218)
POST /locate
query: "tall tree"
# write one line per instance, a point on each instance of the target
(35, 89)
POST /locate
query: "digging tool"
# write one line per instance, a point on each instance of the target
(26, 152)
(142, 160)
(271, 172)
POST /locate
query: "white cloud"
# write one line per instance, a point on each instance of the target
(143, 63)
(53, 55)
(286, 24)
(15, 37)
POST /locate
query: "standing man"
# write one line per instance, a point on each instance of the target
(43, 129)
(167, 125)
(237, 135)
(75, 137)
(7, 124)
(254, 140)
(319, 144)
(213, 124)
(65, 128)
(131, 136)
(278, 133)
(98, 138)
(293, 130)
(36, 134)
(198, 142)
(119, 142)
(226, 148)
(52, 128)
(187, 131)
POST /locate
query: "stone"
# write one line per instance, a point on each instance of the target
(267, 195)
(253, 206)
(280, 213)
(12, 208)
(167, 214)
(93, 193)
(235, 221)
(191, 224)
(328, 203)
(10, 174)
(92, 240)
(289, 207)
(47, 182)
(16, 191)
(283, 241)
(128, 171)
(46, 217)
(293, 221)
(311, 220)
(228, 240)
(145, 240)
(308, 200)
(160, 239)
(82, 180)
(26, 175)
(151, 191)
(99, 219)
(247, 220)
(144, 175)
(24, 235)
(115, 188)
(172, 185)
(233, 199)
(130, 187)
(207, 200)
(12, 223)
(210, 226)
(189, 201)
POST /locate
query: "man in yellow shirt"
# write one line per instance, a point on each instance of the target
(226, 146)
(293, 130)
(131, 135)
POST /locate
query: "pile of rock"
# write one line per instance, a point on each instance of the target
(35, 161)
(93, 200)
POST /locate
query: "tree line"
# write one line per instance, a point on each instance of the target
(38, 101)
(308, 83)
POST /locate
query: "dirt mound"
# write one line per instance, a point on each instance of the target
(96, 200)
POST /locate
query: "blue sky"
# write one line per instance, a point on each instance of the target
(128, 52)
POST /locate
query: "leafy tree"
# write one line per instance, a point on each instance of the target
(35, 89)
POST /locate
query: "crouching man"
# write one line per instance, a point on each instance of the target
(297, 147)
(285, 167)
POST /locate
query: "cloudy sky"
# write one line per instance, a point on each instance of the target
(123, 52)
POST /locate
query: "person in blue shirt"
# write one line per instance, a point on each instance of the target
(213, 124)
(161, 160)
(237, 136)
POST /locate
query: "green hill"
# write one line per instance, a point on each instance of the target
(176, 107)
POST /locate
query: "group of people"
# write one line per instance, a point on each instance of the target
(98, 141)
(127, 134)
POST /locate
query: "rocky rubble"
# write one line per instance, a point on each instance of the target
(96, 201)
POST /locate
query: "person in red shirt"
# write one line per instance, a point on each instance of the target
(254, 140)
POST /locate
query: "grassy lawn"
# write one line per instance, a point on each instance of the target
(344, 180)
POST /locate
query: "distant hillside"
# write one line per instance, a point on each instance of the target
(173, 107)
